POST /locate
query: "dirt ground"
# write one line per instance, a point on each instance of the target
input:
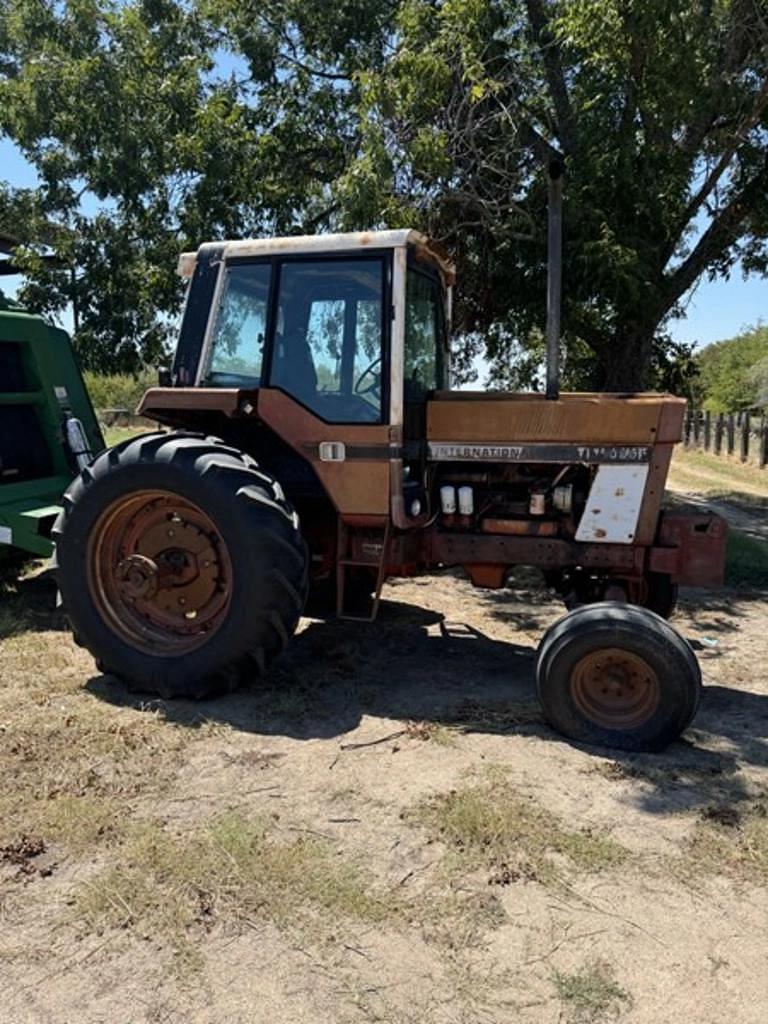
(385, 830)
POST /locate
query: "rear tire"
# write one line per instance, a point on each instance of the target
(615, 675)
(197, 614)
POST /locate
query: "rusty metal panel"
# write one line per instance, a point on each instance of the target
(465, 549)
(359, 484)
(648, 523)
(574, 418)
(613, 505)
(691, 548)
(223, 400)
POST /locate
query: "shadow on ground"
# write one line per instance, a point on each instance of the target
(28, 605)
(415, 665)
(453, 675)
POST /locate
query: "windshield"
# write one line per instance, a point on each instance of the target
(237, 347)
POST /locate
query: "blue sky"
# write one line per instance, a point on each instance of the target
(714, 309)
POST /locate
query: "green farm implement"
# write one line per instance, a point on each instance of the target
(48, 430)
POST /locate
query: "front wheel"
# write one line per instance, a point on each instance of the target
(180, 564)
(616, 675)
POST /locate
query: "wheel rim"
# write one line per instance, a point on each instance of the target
(159, 572)
(615, 689)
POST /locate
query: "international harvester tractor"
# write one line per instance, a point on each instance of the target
(315, 444)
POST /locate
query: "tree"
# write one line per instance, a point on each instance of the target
(440, 114)
(659, 109)
(732, 373)
(145, 148)
(759, 380)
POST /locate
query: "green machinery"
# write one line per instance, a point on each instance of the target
(48, 430)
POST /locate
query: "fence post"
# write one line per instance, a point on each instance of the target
(719, 426)
(707, 430)
(762, 455)
(687, 428)
(731, 434)
(745, 427)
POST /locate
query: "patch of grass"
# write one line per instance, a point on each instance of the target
(476, 716)
(78, 822)
(591, 994)
(489, 825)
(729, 841)
(746, 562)
(717, 476)
(114, 435)
(232, 873)
(433, 732)
(71, 766)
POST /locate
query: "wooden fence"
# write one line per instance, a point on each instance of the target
(739, 434)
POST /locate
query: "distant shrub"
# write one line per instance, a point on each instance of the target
(118, 390)
(728, 379)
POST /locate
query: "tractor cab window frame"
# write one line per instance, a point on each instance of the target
(342, 390)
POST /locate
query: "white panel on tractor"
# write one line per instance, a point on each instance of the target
(613, 505)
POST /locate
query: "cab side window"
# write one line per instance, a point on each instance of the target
(424, 336)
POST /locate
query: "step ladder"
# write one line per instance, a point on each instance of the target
(377, 541)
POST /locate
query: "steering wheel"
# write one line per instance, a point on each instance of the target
(374, 388)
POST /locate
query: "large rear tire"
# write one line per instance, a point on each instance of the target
(180, 564)
(615, 675)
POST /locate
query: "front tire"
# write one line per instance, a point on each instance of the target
(616, 675)
(180, 564)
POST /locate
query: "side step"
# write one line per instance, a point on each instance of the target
(360, 548)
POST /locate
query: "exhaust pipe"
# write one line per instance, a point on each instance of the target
(554, 276)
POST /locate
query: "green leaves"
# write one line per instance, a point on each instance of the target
(155, 125)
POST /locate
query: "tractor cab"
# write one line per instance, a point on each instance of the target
(323, 328)
(334, 342)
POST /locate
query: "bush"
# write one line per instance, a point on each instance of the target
(727, 371)
(118, 390)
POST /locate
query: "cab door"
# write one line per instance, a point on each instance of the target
(327, 392)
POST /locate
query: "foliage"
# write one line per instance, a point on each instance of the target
(155, 125)
(732, 373)
(118, 390)
(758, 378)
(659, 110)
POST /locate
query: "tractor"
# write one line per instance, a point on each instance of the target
(310, 442)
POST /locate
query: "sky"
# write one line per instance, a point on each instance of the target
(714, 309)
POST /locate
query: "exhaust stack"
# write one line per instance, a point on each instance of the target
(554, 276)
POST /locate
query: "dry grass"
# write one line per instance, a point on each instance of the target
(490, 826)
(591, 994)
(72, 768)
(728, 840)
(715, 476)
(233, 873)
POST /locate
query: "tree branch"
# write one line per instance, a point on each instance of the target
(724, 230)
(720, 167)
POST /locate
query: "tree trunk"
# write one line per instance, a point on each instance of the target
(625, 361)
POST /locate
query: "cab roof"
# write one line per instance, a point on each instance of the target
(347, 241)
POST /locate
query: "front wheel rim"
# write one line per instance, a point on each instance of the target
(615, 688)
(159, 572)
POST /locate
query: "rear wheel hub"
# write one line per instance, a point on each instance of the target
(159, 571)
